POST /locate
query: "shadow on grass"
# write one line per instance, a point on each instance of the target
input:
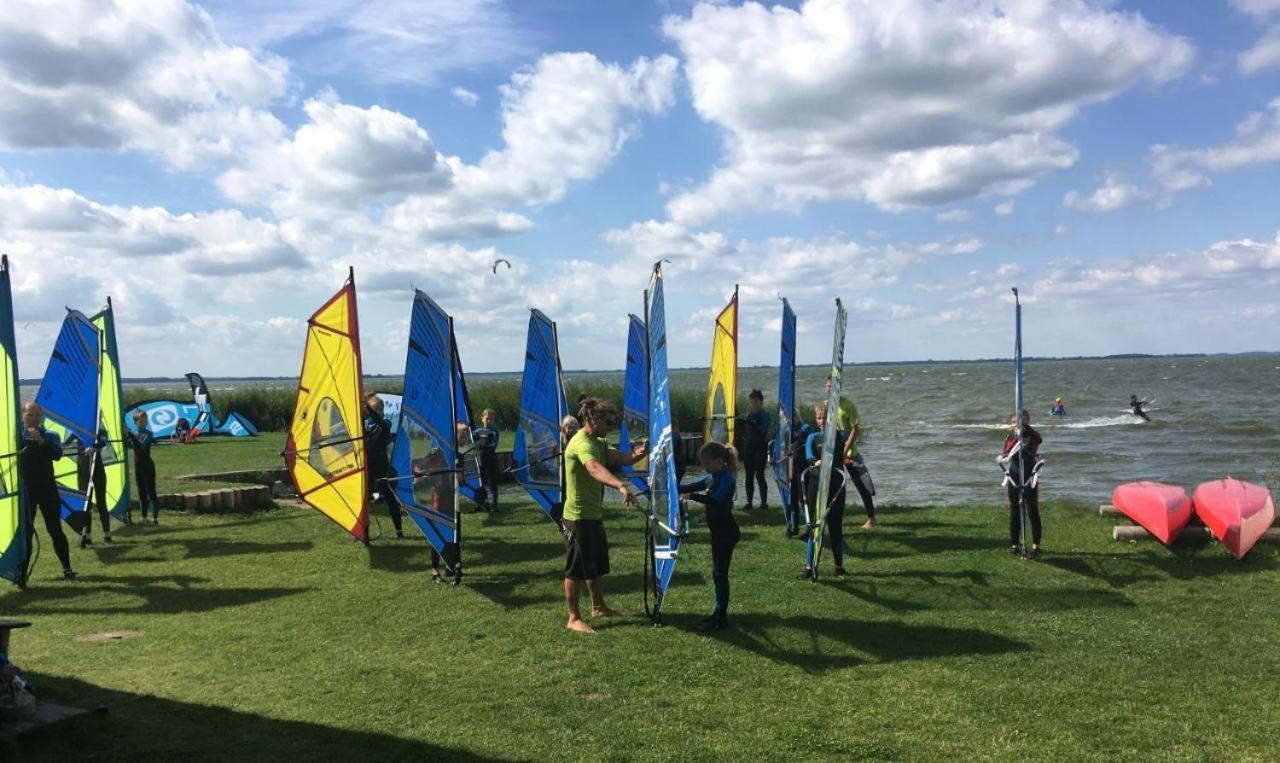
(1124, 569)
(516, 590)
(140, 728)
(195, 548)
(820, 644)
(100, 597)
(967, 590)
(138, 530)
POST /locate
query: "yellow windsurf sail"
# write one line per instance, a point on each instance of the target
(722, 387)
(111, 413)
(325, 452)
(13, 519)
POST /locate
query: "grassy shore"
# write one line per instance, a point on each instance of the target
(274, 636)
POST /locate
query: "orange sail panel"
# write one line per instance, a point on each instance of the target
(325, 453)
(722, 385)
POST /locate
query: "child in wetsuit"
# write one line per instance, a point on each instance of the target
(486, 438)
(1015, 469)
(90, 466)
(756, 448)
(144, 468)
(716, 491)
(835, 494)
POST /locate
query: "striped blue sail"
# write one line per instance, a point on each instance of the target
(635, 401)
(822, 504)
(783, 459)
(69, 396)
(535, 457)
(664, 495)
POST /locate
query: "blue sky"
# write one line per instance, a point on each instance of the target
(215, 168)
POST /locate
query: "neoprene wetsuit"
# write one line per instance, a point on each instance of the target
(755, 454)
(36, 462)
(377, 438)
(716, 492)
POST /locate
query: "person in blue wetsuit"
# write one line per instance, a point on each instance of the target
(144, 468)
(486, 438)
(40, 449)
(1058, 408)
(813, 447)
(377, 439)
(716, 491)
(756, 448)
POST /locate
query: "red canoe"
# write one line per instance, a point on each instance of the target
(1238, 513)
(1163, 510)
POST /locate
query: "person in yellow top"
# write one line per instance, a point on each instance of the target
(587, 463)
(848, 420)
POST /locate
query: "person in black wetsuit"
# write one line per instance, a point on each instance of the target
(144, 468)
(91, 467)
(755, 451)
(486, 438)
(39, 450)
(1135, 407)
(377, 439)
(836, 493)
(799, 435)
(716, 492)
(1030, 452)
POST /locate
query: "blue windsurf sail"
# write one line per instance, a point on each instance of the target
(69, 396)
(635, 400)
(666, 520)
(14, 551)
(783, 458)
(235, 425)
(428, 457)
(535, 457)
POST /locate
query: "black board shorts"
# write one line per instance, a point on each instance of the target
(586, 549)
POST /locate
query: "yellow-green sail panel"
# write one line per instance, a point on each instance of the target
(722, 386)
(111, 415)
(13, 522)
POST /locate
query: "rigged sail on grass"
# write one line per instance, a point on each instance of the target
(722, 386)
(635, 401)
(325, 451)
(433, 457)
(111, 407)
(783, 458)
(69, 395)
(536, 454)
(818, 512)
(665, 518)
(14, 551)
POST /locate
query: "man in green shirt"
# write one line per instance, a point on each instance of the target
(587, 463)
(848, 420)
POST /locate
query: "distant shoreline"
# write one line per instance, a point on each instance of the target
(474, 374)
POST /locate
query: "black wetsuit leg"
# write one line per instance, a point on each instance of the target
(1033, 515)
(45, 498)
(387, 495)
(489, 476)
(724, 537)
(146, 478)
(793, 508)
(754, 461)
(835, 518)
(100, 498)
(868, 501)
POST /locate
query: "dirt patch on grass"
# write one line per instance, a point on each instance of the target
(108, 636)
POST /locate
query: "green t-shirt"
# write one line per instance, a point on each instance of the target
(583, 496)
(846, 419)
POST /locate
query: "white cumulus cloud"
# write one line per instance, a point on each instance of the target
(1114, 193)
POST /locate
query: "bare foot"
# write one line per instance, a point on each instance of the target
(604, 612)
(870, 523)
(580, 626)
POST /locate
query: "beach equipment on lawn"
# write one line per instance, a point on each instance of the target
(722, 383)
(111, 407)
(1237, 513)
(14, 549)
(783, 458)
(635, 401)
(536, 455)
(817, 513)
(1163, 510)
(69, 395)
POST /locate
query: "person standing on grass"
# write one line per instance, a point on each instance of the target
(35, 460)
(91, 467)
(813, 448)
(486, 438)
(756, 448)
(1015, 468)
(716, 491)
(588, 459)
(800, 432)
(377, 439)
(144, 468)
(848, 420)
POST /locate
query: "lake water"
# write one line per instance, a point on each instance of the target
(931, 431)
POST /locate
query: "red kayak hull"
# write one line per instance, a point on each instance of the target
(1237, 513)
(1162, 510)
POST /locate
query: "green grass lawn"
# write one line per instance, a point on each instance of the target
(274, 636)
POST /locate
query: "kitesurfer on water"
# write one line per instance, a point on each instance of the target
(836, 493)
(486, 438)
(1030, 452)
(144, 468)
(716, 492)
(1135, 407)
(39, 450)
(848, 420)
(1058, 408)
(756, 448)
(377, 438)
(588, 460)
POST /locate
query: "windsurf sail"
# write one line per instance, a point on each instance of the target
(235, 425)
(69, 395)
(536, 455)
(162, 416)
(203, 401)
(115, 464)
(722, 385)
(433, 441)
(635, 401)
(783, 460)
(325, 450)
(1024, 546)
(666, 520)
(14, 551)
(817, 519)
